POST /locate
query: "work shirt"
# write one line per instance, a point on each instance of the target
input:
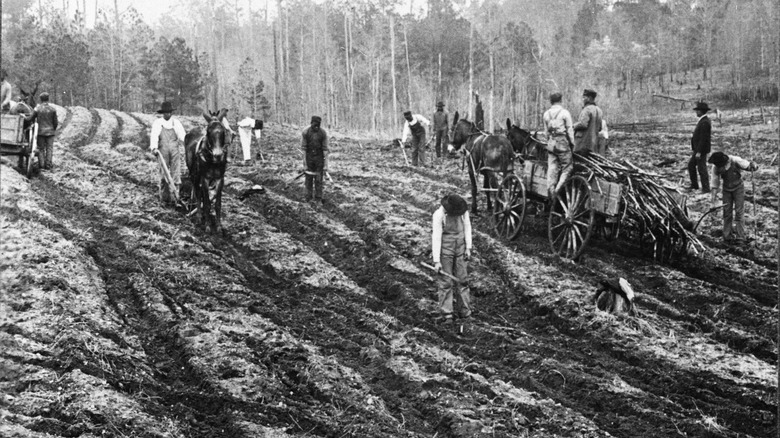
(157, 127)
(557, 121)
(415, 127)
(255, 125)
(587, 128)
(731, 173)
(702, 135)
(440, 121)
(451, 234)
(47, 119)
(5, 94)
(314, 144)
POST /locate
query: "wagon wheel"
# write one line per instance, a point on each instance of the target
(28, 152)
(570, 223)
(509, 208)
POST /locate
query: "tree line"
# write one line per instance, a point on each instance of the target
(360, 64)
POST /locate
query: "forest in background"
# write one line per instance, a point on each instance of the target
(360, 64)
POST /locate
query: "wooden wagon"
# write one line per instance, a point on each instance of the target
(584, 205)
(18, 141)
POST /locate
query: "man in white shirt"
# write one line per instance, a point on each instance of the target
(729, 168)
(414, 128)
(451, 248)
(165, 139)
(560, 134)
(245, 129)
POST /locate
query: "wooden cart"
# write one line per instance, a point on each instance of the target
(584, 205)
(15, 140)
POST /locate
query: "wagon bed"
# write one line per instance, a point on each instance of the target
(586, 203)
(15, 140)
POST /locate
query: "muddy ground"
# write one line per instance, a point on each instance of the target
(123, 318)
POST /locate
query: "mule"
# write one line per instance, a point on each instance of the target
(486, 153)
(206, 158)
(526, 143)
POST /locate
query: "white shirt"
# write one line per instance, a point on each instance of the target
(439, 216)
(249, 123)
(416, 118)
(157, 127)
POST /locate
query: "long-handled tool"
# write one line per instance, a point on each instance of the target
(169, 180)
(711, 210)
(753, 184)
(439, 271)
(404, 151)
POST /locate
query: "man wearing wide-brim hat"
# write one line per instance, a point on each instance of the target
(451, 247)
(441, 125)
(166, 136)
(701, 145)
(314, 145)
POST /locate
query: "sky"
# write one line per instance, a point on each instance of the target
(154, 10)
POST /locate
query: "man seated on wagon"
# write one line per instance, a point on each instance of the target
(5, 92)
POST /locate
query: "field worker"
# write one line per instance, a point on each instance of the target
(414, 128)
(729, 168)
(5, 91)
(441, 125)
(701, 144)
(314, 144)
(167, 134)
(47, 127)
(479, 114)
(560, 160)
(451, 243)
(245, 129)
(588, 126)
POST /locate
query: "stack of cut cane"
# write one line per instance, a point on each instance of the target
(653, 208)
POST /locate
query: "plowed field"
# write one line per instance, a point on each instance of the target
(119, 317)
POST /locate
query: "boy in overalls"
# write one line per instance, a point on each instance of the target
(729, 168)
(451, 250)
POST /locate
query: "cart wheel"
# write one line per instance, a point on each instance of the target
(570, 223)
(509, 208)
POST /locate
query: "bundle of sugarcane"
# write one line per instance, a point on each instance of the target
(650, 203)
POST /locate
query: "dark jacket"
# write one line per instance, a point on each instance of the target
(586, 130)
(314, 144)
(47, 119)
(440, 121)
(700, 141)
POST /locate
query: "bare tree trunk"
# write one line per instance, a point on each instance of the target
(392, 69)
(213, 38)
(346, 62)
(301, 79)
(492, 90)
(121, 64)
(438, 88)
(276, 73)
(408, 69)
(471, 70)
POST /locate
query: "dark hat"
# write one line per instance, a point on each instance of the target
(316, 119)
(454, 205)
(719, 159)
(44, 97)
(258, 124)
(556, 97)
(166, 107)
(590, 93)
(702, 106)
(440, 104)
(407, 114)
